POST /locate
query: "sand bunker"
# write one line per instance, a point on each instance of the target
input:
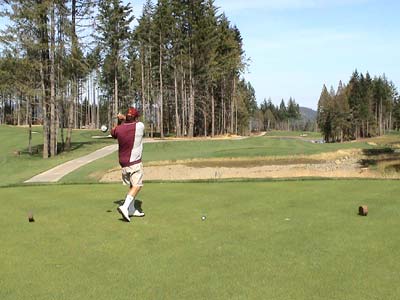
(339, 164)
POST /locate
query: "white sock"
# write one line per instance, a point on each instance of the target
(128, 201)
(131, 208)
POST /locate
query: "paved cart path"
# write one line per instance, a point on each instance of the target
(56, 173)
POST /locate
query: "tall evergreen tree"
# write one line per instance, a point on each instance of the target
(114, 21)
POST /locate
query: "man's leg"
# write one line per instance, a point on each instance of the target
(134, 190)
(136, 183)
(130, 197)
(135, 178)
(135, 207)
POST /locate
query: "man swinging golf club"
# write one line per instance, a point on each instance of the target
(130, 146)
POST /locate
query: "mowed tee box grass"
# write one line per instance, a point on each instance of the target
(260, 240)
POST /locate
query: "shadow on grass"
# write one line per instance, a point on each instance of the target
(119, 202)
(37, 150)
(378, 151)
(385, 158)
(137, 203)
(393, 168)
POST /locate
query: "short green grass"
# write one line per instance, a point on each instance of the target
(250, 147)
(261, 240)
(17, 168)
(303, 134)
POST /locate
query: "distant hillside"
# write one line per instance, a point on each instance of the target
(308, 114)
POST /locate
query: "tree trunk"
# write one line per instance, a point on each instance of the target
(53, 136)
(94, 122)
(71, 108)
(161, 93)
(177, 125)
(62, 120)
(29, 119)
(143, 86)
(2, 116)
(72, 97)
(109, 112)
(184, 98)
(380, 118)
(115, 109)
(205, 102)
(97, 102)
(76, 104)
(19, 99)
(27, 111)
(44, 69)
(236, 106)
(232, 114)
(212, 111)
(45, 115)
(88, 112)
(150, 94)
(191, 99)
(205, 119)
(81, 103)
(223, 107)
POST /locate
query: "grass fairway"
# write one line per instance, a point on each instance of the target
(266, 146)
(246, 249)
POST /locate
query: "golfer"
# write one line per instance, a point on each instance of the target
(130, 146)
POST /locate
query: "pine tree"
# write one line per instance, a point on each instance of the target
(293, 111)
(325, 115)
(114, 21)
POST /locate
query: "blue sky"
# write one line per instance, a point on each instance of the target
(296, 46)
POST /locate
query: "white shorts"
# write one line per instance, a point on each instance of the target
(133, 175)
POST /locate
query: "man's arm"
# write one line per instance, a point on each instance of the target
(114, 132)
(121, 119)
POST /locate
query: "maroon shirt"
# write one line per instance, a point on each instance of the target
(130, 142)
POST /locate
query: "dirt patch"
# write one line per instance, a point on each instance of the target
(339, 164)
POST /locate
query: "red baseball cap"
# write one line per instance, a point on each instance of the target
(132, 112)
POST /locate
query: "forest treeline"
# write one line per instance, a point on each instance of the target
(365, 107)
(285, 116)
(70, 64)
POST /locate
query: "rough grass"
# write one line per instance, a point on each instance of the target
(16, 168)
(261, 240)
